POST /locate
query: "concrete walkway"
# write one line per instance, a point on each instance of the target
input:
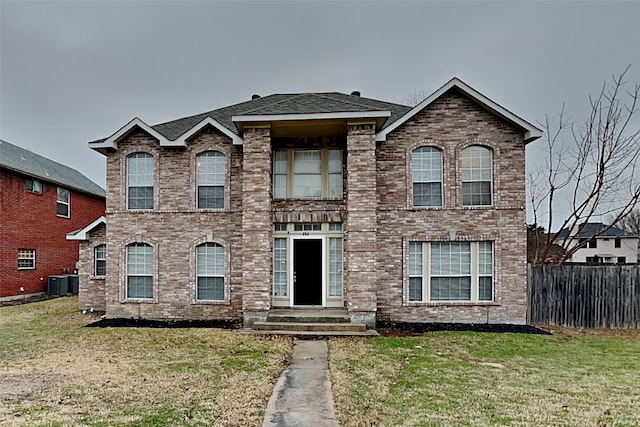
(302, 396)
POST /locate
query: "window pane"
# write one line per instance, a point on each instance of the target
(335, 161)
(140, 197)
(211, 168)
(62, 209)
(280, 186)
(139, 259)
(427, 194)
(211, 288)
(210, 197)
(210, 260)
(139, 287)
(476, 176)
(335, 185)
(280, 267)
(140, 170)
(485, 289)
(450, 258)
(307, 161)
(335, 226)
(335, 267)
(451, 288)
(415, 259)
(476, 193)
(307, 180)
(100, 254)
(63, 195)
(307, 186)
(415, 289)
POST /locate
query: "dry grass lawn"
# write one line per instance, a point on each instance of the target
(572, 378)
(56, 372)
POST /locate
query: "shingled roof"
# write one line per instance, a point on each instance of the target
(592, 229)
(33, 165)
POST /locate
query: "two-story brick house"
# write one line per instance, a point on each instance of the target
(40, 202)
(323, 200)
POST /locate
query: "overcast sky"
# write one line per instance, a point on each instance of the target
(72, 72)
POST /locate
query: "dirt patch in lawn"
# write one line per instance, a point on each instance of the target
(22, 386)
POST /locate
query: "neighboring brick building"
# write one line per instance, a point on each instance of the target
(40, 202)
(325, 200)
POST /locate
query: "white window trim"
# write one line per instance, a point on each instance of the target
(96, 259)
(124, 298)
(225, 185)
(224, 275)
(442, 175)
(127, 186)
(324, 174)
(68, 204)
(33, 186)
(426, 275)
(193, 272)
(32, 258)
(492, 153)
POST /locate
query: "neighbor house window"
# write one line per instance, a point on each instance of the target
(100, 260)
(34, 186)
(63, 203)
(476, 176)
(307, 174)
(450, 271)
(617, 242)
(140, 172)
(426, 170)
(593, 243)
(139, 271)
(210, 272)
(26, 259)
(211, 174)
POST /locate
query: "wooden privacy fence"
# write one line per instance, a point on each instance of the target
(584, 296)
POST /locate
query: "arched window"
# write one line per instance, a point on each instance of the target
(100, 260)
(426, 170)
(140, 171)
(476, 176)
(211, 173)
(210, 272)
(139, 271)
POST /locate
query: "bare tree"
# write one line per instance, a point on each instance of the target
(592, 170)
(630, 223)
(415, 97)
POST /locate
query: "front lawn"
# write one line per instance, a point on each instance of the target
(571, 378)
(56, 372)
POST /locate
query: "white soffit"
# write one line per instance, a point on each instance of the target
(82, 233)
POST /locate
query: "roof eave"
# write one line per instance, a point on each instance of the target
(82, 233)
(380, 117)
(182, 140)
(531, 133)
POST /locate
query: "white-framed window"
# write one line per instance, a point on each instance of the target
(307, 174)
(210, 178)
(476, 176)
(63, 204)
(26, 259)
(426, 172)
(100, 260)
(450, 271)
(33, 185)
(139, 271)
(210, 272)
(280, 267)
(335, 266)
(140, 175)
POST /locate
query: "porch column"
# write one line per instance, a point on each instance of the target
(256, 225)
(361, 243)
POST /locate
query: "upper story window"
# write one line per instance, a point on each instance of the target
(100, 260)
(307, 174)
(34, 186)
(476, 176)
(26, 259)
(210, 272)
(617, 242)
(211, 174)
(63, 203)
(139, 271)
(426, 170)
(140, 171)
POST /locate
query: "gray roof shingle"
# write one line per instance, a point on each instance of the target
(593, 228)
(31, 164)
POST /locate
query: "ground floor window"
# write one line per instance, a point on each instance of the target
(450, 271)
(139, 271)
(26, 259)
(210, 272)
(100, 260)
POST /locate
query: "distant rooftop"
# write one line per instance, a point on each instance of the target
(593, 228)
(31, 164)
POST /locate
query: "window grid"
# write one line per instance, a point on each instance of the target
(140, 173)
(100, 257)
(63, 202)
(426, 173)
(476, 176)
(307, 227)
(335, 267)
(26, 259)
(307, 174)
(210, 178)
(455, 271)
(280, 267)
(139, 271)
(210, 272)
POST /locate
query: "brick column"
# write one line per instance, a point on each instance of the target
(361, 244)
(256, 225)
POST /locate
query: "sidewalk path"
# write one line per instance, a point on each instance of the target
(302, 396)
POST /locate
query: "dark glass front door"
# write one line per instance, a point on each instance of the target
(307, 272)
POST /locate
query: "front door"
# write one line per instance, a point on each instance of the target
(307, 271)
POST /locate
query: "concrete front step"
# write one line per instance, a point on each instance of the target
(309, 326)
(309, 316)
(316, 334)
